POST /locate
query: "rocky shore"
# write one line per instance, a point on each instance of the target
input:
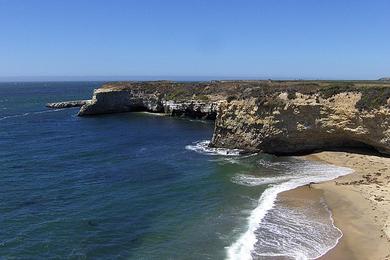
(67, 104)
(278, 117)
(284, 118)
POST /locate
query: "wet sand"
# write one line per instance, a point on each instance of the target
(304, 197)
(360, 204)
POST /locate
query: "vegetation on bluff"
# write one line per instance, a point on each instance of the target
(373, 93)
(373, 98)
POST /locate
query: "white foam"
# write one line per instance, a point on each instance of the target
(151, 113)
(299, 174)
(203, 147)
(336, 228)
(30, 113)
(306, 232)
(250, 180)
(270, 164)
(13, 116)
(243, 247)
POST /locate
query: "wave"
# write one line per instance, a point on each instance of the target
(297, 172)
(306, 232)
(250, 180)
(203, 148)
(272, 164)
(30, 113)
(302, 174)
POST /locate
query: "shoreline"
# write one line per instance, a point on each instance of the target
(311, 205)
(359, 203)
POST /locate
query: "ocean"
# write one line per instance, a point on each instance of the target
(143, 186)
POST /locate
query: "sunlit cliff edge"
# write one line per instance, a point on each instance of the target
(279, 117)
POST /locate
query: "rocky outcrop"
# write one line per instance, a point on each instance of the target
(282, 117)
(191, 109)
(67, 104)
(304, 123)
(106, 101)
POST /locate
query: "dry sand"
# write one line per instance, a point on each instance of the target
(360, 204)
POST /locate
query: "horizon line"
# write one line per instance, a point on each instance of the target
(168, 78)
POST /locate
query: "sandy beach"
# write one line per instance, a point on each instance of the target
(360, 204)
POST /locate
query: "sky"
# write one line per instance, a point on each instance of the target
(172, 39)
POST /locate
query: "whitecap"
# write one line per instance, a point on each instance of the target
(251, 180)
(29, 113)
(203, 148)
(273, 164)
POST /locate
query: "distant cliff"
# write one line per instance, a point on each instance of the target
(116, 100)
(279, 117)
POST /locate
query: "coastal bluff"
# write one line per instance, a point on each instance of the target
(278, 117)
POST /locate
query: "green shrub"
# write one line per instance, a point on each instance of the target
(373, 98)
(202, 97)
(291, 95)
(270, 101)
(337, 88)
(176, 94)
(231, 98)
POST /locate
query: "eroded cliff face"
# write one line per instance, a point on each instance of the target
(108, 100)
(273, 117)
(303, 123)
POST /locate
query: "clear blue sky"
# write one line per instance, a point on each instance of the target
(335, 39)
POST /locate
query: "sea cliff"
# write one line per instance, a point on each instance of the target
(278, 117)
(302, 123)
(195, 100)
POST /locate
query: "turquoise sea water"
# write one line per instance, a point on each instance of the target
(140, 186)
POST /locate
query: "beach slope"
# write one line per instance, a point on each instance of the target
(360, 204)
